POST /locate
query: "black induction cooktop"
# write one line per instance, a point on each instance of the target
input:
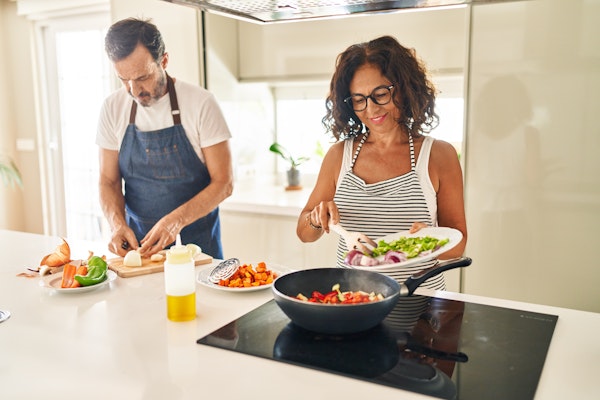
(443, 348)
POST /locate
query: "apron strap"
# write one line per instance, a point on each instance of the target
(172, 98)
(132, 113)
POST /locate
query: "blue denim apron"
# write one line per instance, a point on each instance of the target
(162, 171)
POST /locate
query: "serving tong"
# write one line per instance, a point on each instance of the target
(354, 240)
(224, 270)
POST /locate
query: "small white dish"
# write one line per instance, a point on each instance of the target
(53, 282)
(203, 275)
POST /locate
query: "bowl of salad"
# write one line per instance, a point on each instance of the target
(336, 300)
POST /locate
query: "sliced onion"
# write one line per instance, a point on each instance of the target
(353, 257)
(367, 261)
(393, 257)
(132, 259)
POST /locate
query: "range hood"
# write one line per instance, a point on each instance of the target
(271, 11)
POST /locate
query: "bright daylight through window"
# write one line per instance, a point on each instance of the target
(84, 81)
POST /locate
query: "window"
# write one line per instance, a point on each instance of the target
(298, 114)
(450, 109)
(77, 76)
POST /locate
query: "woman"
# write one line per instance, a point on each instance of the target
(383, 175)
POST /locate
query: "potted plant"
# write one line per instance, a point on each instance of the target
(293, 174)
(9, 172)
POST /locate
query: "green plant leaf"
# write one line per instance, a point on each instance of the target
(287, 156)
(10, 173)
(282, 151)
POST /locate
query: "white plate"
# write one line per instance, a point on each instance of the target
(53, 282)
(203, 280)
(454, 237)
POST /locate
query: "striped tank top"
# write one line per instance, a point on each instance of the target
(389, 206)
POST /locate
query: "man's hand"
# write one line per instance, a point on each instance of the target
(163, 233)
(122, 241)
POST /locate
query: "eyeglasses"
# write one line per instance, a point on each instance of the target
(381, 95)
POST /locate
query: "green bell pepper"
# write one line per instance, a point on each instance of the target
(97, 272)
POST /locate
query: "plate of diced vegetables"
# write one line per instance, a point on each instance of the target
(405, 249)
(247, 278)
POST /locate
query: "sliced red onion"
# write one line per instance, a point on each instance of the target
(353, 257)
(366, 261)
(393, 257)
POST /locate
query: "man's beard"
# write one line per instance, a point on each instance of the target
(147, 99)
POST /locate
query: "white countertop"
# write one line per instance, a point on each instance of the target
(116, 342)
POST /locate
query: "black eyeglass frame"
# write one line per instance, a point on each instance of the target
(348, 100)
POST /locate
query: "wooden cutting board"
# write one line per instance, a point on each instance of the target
(148, 266)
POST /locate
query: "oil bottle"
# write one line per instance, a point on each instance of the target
(180, 283)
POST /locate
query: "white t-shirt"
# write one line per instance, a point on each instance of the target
(201, 117)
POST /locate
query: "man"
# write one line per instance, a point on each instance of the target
(168, 142)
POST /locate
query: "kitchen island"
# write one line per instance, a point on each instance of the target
(116, 342)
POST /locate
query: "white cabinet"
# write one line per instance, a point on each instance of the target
(308, 49)
(254, 237)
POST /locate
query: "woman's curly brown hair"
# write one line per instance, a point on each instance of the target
(414, 93)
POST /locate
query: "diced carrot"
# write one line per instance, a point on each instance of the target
(247, 276)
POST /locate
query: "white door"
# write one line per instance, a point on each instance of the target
(76, 77)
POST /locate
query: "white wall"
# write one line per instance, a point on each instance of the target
(20, 209)
(533, 170)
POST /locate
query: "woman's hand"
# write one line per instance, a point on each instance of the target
(417, 226)
(324, 213)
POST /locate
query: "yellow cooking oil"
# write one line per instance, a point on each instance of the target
(180, 283)
(181, 308)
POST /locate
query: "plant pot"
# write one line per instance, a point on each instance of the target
(293, 179)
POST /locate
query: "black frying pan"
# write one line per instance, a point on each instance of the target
(347, 318)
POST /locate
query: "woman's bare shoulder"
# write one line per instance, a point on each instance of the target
(335, 152)
(443, 150)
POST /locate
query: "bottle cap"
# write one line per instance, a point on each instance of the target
(179, 254)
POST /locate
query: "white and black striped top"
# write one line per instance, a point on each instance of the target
(388, 206)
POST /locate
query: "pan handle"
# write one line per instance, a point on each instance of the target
(412, 283)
